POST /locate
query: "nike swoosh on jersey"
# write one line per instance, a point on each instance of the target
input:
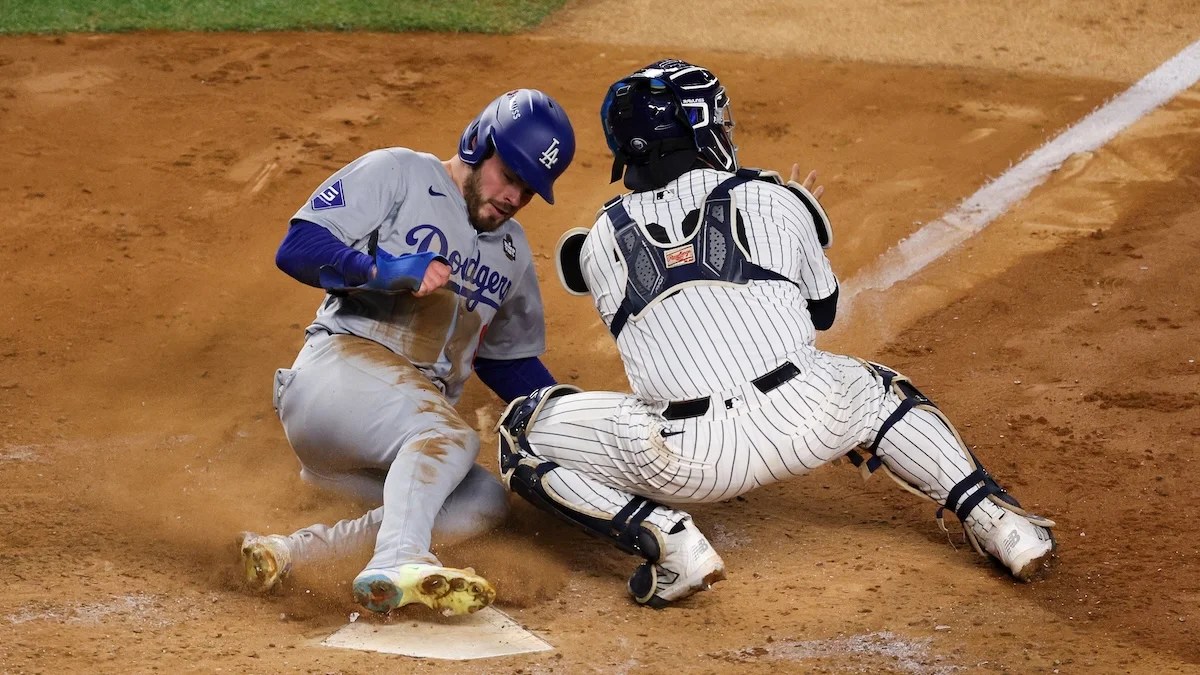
(667, 433)
(435, 193)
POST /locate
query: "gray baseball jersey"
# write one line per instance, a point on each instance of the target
(492, 307)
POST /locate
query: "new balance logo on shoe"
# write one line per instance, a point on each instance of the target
(1010, 541)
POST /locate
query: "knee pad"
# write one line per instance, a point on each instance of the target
(911, 397)
(518, 418)
(522, 471)
(626, 529)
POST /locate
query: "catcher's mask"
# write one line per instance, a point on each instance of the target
(664, 118)
(531, 133)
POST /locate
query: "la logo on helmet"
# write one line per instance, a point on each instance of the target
(550, 155)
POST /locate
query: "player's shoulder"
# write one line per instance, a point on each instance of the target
(766, 183)
(702, 181)
(767, 193)
(402, 157)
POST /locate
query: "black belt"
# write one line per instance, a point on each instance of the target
(695, 407)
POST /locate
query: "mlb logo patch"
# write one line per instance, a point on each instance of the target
(510, 248)
(684, 255)
(331, 197)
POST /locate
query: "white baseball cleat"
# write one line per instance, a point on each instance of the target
(266, 560)
(688, 564)
(1024, 548)
(449, 591)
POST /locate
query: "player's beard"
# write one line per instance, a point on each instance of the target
(476, 204)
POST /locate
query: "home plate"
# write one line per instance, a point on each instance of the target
(484, 634)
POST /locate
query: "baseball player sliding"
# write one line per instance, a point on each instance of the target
(428, 277)
(712, 280)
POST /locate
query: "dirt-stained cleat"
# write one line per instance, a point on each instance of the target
(1027, 550)
(266, 560)
(444, 589)
(688, 564)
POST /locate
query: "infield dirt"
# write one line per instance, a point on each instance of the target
(150, 177)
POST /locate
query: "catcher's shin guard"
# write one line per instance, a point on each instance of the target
(957, 500)
(522, 472)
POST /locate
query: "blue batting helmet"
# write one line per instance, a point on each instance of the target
(531, 133)
(663, 118)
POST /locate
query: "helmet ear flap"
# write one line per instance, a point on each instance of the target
(468, 145)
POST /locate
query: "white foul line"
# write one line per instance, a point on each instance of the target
(936, 238)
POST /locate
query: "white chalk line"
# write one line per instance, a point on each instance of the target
(976, 212)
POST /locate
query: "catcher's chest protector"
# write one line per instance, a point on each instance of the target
(713, 253)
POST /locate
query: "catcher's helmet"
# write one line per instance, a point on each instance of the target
(663, 118)
(531, 133)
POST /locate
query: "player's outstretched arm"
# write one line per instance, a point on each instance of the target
(308, 249)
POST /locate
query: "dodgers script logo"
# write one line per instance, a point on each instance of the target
(491, 287)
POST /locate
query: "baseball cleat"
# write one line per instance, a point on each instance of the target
(447, 590)
(688, 564)
(1027, 550)
(266, 560)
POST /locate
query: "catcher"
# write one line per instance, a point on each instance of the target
(712, 280)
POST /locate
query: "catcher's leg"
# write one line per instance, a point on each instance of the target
(679, 560)
(921, 450)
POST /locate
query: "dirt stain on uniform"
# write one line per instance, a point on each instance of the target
(446, 412)
(460, 346)
(436, 448)
(427, 474)
(367, 350)
(422, 324)
(378, 355)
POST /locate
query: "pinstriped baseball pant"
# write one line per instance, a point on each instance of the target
(610, 446)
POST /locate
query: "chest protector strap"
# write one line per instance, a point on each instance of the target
(713, 254)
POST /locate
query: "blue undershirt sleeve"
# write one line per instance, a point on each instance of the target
(511, 378)
(308, 246)
(823, 311)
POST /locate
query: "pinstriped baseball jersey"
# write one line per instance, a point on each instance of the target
(493, 305)
(708, 337)
(714, 343)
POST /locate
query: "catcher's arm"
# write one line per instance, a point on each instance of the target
(809, 194)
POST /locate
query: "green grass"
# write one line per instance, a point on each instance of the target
(472, 16)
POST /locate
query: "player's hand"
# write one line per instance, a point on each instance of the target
(810, 181)
(410, 272)
(436, 276)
